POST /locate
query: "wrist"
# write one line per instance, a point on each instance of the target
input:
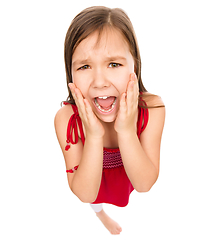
(94, 139)
(95, 134)
(127, 134)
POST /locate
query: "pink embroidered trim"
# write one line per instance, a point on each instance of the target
(112, 159)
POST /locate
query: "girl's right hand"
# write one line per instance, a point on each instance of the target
(93, 126)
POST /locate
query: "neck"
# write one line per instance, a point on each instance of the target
(110, 137)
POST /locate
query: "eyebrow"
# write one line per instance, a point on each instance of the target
(81, 61)
(115, 58)
(107, 59)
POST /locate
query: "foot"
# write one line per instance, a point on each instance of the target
(109, 223)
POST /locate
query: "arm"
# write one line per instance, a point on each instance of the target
(140, 156)
(84, 182)
(87, 178)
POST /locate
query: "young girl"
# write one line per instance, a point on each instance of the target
(110, 128)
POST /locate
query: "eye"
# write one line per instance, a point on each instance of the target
(114, 65)
(84, 67)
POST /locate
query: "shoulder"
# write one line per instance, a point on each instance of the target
(63, 114)
(152, 100)
(61, 121)
(156, 120)
(156, 109)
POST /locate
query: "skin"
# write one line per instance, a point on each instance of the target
(106, 68)
(102, 76)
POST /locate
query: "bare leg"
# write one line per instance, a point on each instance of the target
(112, 226)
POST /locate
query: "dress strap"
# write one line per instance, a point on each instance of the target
(143, 116)
(72, 131)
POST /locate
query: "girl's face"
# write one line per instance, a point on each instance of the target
(101, 70)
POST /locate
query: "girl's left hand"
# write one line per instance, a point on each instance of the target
(126, 120)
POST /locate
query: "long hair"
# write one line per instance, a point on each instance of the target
(97, 19)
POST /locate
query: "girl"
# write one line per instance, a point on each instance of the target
(110, 128)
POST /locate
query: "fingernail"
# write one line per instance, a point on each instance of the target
(70, 85)
(134, 76)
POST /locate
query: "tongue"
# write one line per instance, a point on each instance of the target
(105, 103)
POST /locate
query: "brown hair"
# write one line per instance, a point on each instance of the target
(97, 19)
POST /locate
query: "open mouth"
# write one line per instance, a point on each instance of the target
(105, 104)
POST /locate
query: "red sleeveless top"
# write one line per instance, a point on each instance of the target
(115, 186)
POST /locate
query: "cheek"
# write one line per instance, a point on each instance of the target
(124, 75)
(80, 82)
(121, 80)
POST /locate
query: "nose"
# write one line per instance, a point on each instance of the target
(100, 79)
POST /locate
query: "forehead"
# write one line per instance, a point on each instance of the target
(110, 42)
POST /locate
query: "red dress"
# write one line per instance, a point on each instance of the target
(115, 186)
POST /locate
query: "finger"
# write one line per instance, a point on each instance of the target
(123, 104)
(136, 88)
(89, 110)
(131, 98)
(72, 87)
(79, 100)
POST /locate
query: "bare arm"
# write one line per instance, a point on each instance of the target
(84, 182)
(87, 179)
(140, 156)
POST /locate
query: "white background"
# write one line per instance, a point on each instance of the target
(36, 203)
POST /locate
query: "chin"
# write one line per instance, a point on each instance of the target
(107, 119)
